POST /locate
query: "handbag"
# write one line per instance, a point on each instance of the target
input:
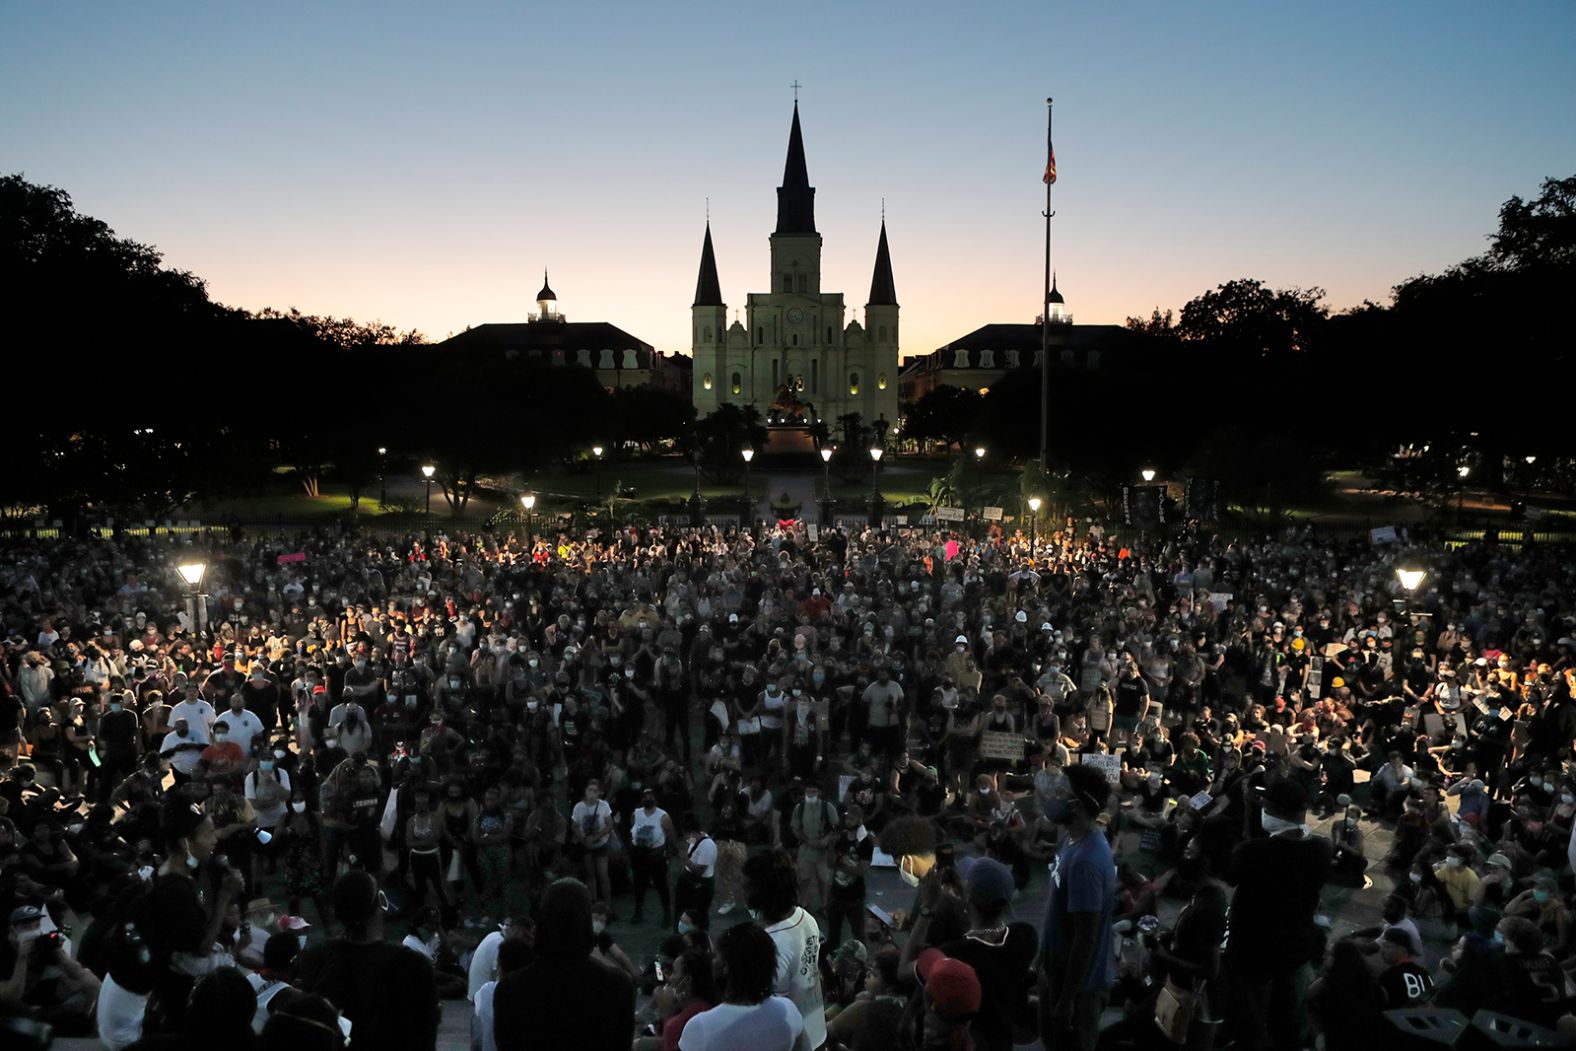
(1174, 1011)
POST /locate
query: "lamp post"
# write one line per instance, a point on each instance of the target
(826, 478)
(875, 487)
(749, 501)
(427, 471)
(1461, 488)
(1034, 532)
(596, 451)
(196, 602)
(1410, 579)
(528, 506)
(979, 480)
(383, 475)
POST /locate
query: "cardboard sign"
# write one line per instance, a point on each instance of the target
(901, 520)
(299, 556)
(1200, 801)
(1220, 599)
(993, 514)
(949, 514)
(1110, 764)
(812, 531)
(1383, 535)
(998, 744)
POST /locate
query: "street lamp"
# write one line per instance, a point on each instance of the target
(427, 471)
(528, 505)
(749, 503)
(875, 490)
(1461, 488)
(1034, 534)
(596, 451)
(1531, 460)
(1411, 579)
(196, 602)
(383, 474)
(826, 463)
(1148, 473)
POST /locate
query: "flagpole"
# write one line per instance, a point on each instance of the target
(1045, 320)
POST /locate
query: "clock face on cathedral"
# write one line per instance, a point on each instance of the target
(798, 356)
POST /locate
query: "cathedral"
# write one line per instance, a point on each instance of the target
(793, 356)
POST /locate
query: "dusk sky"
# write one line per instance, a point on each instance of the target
(422, 163)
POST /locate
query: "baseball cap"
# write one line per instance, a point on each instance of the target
(953, 986)
(26, 914)
(293, 923)
(989, 882)
(961, 638)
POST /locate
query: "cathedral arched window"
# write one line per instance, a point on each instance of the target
(881, 334)
(760, 335)
(830, 338)
(738, 383)
(804, 282)
(853, 383)
(815, 376)
(708, 334)
(705, 381)
(881, 382)
(796, 339)
(787, 282)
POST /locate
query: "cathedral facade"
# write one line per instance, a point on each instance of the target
(794, 356)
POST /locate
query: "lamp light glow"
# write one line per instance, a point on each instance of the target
(192, 572)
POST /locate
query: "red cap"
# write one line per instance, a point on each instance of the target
(952, 985)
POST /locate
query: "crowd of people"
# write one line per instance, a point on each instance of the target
(358, 780)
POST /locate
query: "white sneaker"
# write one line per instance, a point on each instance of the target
(725, 908)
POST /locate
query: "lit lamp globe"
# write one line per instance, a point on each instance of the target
(428, 470)
(192, 572)
(826, 453)
(1411, 579)
(875, 454)
(596, 450)
(1148, 473)
(528, 501)
(748, 454)
(979, 452)
(1463, 471)
(1034, 504)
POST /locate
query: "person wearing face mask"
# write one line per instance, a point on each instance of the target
(1273, 940)
(1542, 905)
(1076, 970)
(243, 726)
(349, 721)
(180, 918)
(1460, 882)
(300, 843)
(267, 788)
(814, 825)
(119, 734)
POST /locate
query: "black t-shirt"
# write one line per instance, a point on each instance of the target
(1130, 694)
(118, 731)
(1405, 984)
(1004, 961)
(1278, 879)
(364, 808)
(847, 883)
(558, 1003)
(10, 710)
(387, 992)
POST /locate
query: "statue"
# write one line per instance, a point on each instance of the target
(786, 404)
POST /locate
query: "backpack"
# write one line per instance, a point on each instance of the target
(124, 953)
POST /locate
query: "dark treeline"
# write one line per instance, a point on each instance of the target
(1265, 389)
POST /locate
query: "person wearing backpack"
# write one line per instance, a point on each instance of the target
(815, 828)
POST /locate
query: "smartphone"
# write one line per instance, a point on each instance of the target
(882, 916)
(657, 966)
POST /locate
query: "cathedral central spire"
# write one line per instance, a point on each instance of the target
(795, 197)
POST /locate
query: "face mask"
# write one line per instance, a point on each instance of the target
(114, 706)
(219, 738)
(191, 862)
(1540, 896)
(1499, 937)
(301, 940)
(812, 799)
(1454, 863)
(1272, 824)
(755, 914)
(266, 765)
(299, 806)
(360, 665)
(1416, 877)
(145, 873)
(279, 753)
(686, 927)
(598, 926)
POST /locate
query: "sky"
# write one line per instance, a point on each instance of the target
(422, 163)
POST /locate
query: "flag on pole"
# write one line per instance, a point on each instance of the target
(1050, 164)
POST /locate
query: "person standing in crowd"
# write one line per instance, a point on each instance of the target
(1273, 939)
(1076, 968)
(750, 1017)
(771, 892)
(651, 840)
(387, 991)
(564, 998)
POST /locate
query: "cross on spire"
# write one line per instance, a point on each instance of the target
(796, 86)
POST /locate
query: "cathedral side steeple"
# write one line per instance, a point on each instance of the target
(709, 334)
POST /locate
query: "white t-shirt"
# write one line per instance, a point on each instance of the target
(199, 716)
(483, 962)
(244, 728)
(482, 1036)
(798, 941)
(595, 822)
(266, 991)
(186, 759)
(704, 852)
(119, 1015)
(774, 1024)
